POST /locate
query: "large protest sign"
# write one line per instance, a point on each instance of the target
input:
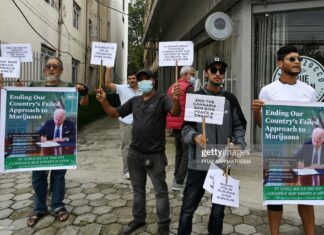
(10, 67)
(176, 51)
(207, 106)
(28, 132)
(105, 52)
(289, 174)
(19, 51)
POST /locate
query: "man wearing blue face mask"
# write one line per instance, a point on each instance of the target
(146, 155)
(186, 82)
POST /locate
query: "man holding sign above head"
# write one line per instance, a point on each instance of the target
(233, 127)
(125, 92)
(186, 82)
(146, 155)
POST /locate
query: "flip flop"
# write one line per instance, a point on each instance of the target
(61, 214)
(34, 218)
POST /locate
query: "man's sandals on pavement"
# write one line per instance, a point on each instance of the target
(61, 213)
(35, 217)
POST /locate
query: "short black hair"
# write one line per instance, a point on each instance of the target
(131, 72)
(285, 50)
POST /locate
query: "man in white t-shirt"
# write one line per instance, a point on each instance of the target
(287, 88)
(125, 92)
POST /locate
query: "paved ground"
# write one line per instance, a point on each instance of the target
(100, 201)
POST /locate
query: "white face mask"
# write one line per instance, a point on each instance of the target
(192, 80)
(145, 86)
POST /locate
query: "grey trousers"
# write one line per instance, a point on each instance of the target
(126, 138)
(138, 175)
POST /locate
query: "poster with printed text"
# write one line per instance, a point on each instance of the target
(20, 51)
(293, 153)
(208, 106)
(10, 67)
(105, 52)
(38, 128)
(170, 52)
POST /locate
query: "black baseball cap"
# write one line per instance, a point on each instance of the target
(214, 60)
(147, 72)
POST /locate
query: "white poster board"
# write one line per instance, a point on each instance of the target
(226, 193)
(208, 106)
(105, 52)
(169, 52)
(19, 51)
(10, 67)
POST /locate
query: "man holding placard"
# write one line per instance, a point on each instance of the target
(53, 70)
(146, 154)
(287, 88)
(186, 82)
(233, 126)
(125, 92)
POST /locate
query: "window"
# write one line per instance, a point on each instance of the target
(76, 15)
(75, 67)
(46, 53)
(51, 2)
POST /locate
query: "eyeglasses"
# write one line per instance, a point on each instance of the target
(54, 66)
(214, 70)
(293, 59)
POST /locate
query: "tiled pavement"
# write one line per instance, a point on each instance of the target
(105, 207)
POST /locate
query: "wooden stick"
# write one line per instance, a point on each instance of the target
(203, 123)
(176, 71)
(100, 74)
(1, 78)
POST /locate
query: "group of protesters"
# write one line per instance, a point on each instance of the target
(144, 115)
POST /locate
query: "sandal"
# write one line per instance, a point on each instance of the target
(61, 214)
(34, 218)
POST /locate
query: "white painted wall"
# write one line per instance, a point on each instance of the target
(119, 34)
(44, 18)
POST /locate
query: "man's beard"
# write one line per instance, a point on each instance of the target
(215, 84)
(52, 78)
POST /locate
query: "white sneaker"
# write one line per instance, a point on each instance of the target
(126, 176)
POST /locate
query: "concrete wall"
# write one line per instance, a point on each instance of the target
(44, 18)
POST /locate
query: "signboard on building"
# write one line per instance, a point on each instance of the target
(312, 73)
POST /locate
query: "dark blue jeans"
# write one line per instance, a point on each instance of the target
(181, 158)
(193, 193)
(39, 181)
(138, 175)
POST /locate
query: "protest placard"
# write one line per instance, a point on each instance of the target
(226, 194)
(105, 52)
(213, 171)
(171, 52)
(20, 51)
(208, 106)
(29, 139)
(289, 174)
(10, 67)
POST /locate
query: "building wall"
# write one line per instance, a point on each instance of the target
(44, 18)
(119, 35)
